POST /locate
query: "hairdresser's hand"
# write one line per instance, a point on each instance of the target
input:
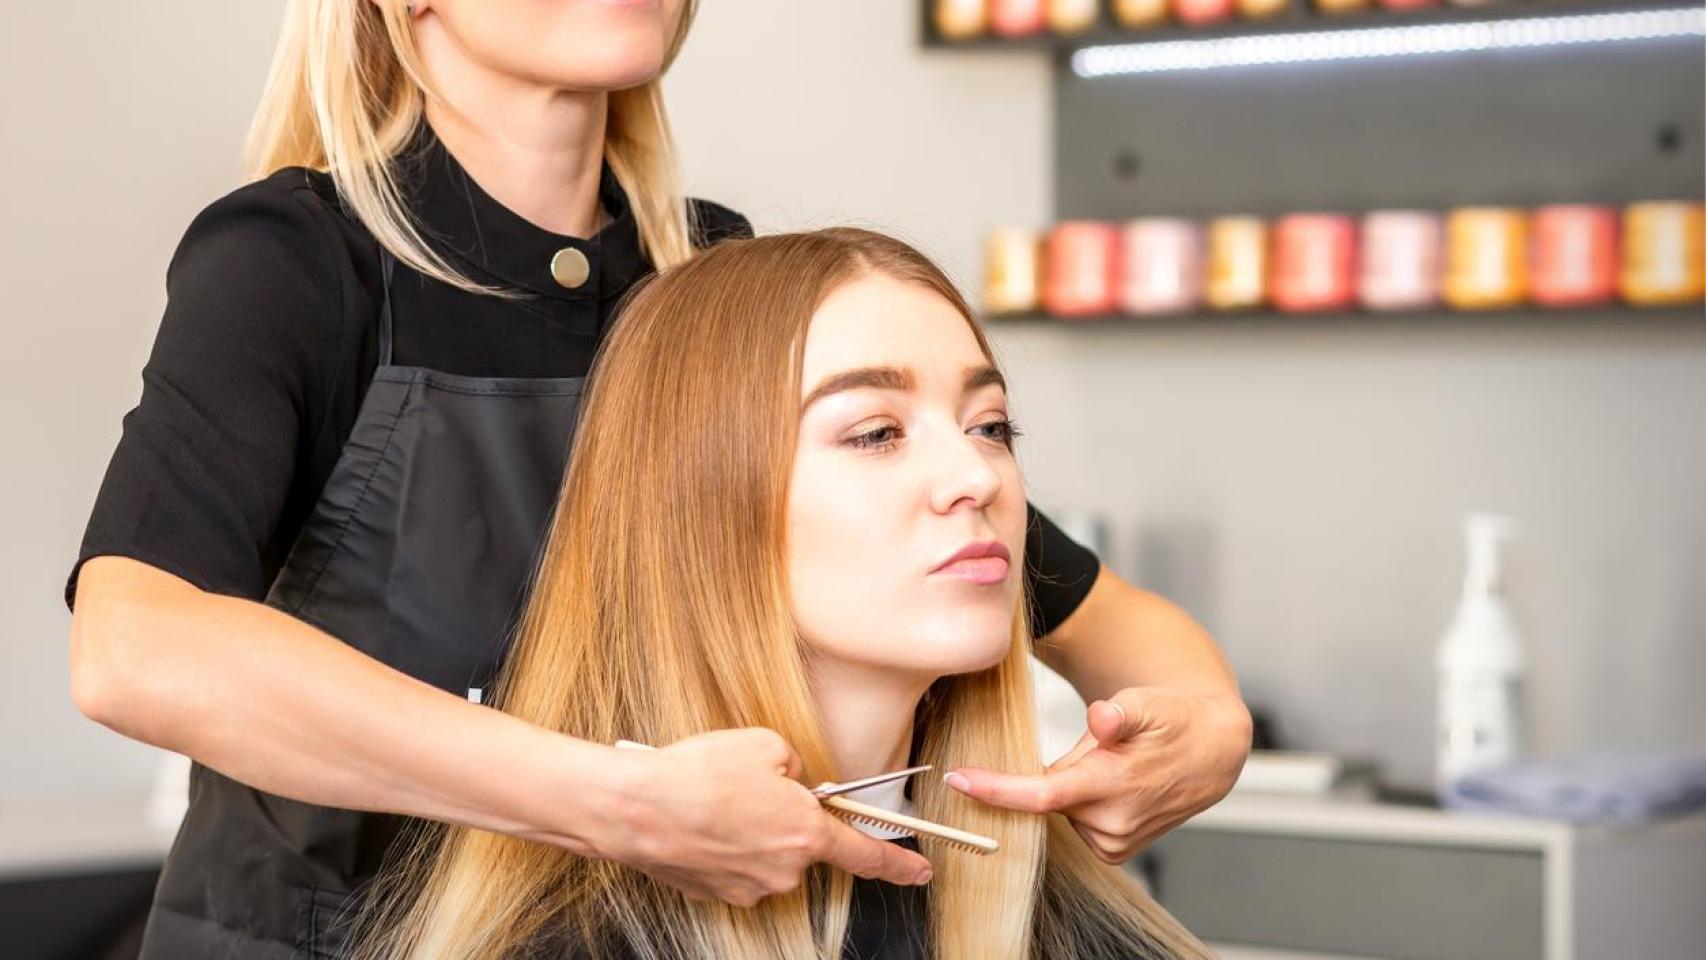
(1151, 759)
(723, 816)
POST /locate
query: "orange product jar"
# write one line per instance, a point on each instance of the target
(1486, 258)
(959, 19)
(1072, 16)
(1237, 263)
(1081, 269)
(1663, 249)
(1574, 259)
(1137, 14)
(1314, 262)
(1257, 9)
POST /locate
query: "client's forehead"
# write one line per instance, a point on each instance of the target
(877, 321)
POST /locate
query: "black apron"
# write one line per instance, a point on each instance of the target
(416, 554)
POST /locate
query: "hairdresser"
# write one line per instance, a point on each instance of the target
(316, 528)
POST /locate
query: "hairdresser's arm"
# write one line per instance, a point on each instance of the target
(1122, 636)
(274, 703)
(1167, 732)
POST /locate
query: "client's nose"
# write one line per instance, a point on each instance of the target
(960, 473)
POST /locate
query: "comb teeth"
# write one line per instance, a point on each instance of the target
(911, 826)
(944, 841)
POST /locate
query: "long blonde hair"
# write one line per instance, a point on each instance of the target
(347, 89)
(660, 609)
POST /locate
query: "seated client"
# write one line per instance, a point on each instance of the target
(793, 503)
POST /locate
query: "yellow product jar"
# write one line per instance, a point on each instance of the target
(1486, 258)
(1237, 263)
(1664, 246)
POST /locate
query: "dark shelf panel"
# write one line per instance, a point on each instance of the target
(1299, 16)
(1611, 314)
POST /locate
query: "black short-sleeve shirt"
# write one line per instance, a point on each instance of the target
(269, 340)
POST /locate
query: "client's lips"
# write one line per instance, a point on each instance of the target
(984, 561)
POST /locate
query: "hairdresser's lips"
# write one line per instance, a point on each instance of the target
(982, 562)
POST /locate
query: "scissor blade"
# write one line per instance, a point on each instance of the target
(832, 789)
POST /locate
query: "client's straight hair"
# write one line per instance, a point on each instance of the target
(660, 609)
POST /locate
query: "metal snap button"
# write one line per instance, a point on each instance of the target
(569, 267)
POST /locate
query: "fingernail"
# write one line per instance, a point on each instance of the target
(957, 781)
(1117, 707)
(923, 876)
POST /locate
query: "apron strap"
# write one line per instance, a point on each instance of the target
(388, 265)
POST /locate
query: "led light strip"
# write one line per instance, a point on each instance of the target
(1400, 41)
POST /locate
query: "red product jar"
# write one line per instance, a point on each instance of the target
(1081, 269)
(1314, 262)
(1199, 12)
(1017, 18)
(1574, 260)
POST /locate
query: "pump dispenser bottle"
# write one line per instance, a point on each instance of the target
(1480, 664)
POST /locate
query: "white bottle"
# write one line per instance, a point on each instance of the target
(1480, 665)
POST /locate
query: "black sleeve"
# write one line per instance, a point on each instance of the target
(1059, 572)
(713, 222)
(233, 389)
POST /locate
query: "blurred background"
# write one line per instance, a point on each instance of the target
(1284, 291)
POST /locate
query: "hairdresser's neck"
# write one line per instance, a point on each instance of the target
(537, 150)
(867, 715)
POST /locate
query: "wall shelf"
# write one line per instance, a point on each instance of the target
(1587, 316)
(1298, 16)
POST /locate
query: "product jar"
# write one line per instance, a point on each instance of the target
(1237, 263)
(1012, 270)
(1314, 262)
(1162, 266)
(1398, 268)
(1081, 269)
(1486, 258)
(1574, 259)
(1662, 251)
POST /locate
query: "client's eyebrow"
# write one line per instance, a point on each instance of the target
(894, 378)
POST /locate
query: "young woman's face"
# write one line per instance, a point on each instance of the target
(904, 463)
(567, 44)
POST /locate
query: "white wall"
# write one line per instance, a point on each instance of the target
(120, 122)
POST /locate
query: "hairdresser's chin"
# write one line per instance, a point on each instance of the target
(583, 45)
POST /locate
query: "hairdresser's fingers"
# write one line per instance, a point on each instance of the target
(1085, 744)
(871, 858)
(1137, 710)
(773, 750)
(1083, 781)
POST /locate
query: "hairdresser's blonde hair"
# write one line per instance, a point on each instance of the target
(347, 88)
(661, 609)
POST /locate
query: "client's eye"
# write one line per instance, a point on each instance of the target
(1001, 431)
(880, 438)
